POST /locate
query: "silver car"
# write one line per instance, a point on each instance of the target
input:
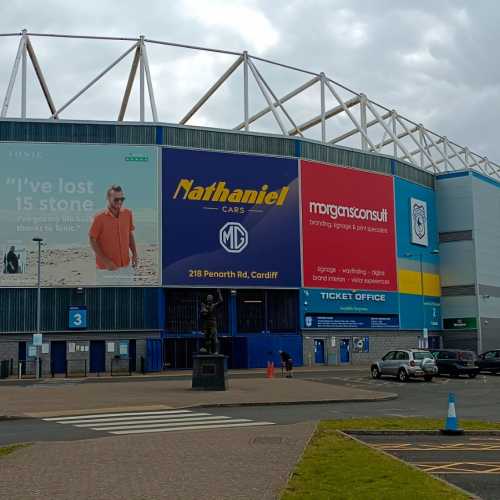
(405, 364)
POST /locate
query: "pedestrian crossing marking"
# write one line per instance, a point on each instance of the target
(104, 415)
(130, 419)
(154, 421)
(192, 428)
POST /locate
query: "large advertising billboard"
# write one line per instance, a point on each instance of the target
(95, 207)
(230, 220)
(348, 228)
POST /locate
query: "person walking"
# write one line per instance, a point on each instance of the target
(286, 362)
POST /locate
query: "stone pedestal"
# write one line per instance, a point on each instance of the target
(209, 372)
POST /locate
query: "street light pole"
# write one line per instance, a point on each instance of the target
(38, 297)
(424, 324)
(422, 294)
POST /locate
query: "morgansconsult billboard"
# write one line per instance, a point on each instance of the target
(348, 228)
(230, 220)
(92, 234)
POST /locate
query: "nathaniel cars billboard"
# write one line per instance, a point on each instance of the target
(95, 207)
(230, 220)
(348, 228)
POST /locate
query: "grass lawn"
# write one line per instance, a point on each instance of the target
(7, 450)
(336, 467)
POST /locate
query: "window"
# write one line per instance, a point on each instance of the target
(401, 355)
(251, 307)
(267, 311)
(490, 355)
(183, 309)
(389, 356)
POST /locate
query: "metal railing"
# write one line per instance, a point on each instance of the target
(121, 366)
(28, 368)
(76, 368)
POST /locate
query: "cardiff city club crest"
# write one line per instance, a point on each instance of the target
(419, 221)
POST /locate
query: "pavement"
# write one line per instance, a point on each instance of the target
(63, 396)
(243, 463)
(471, 462)
(175, 449)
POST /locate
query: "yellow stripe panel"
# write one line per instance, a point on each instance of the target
(409, 282)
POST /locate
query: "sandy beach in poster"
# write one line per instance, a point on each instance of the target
(75, 266)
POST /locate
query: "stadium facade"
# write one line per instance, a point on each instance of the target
(333, 254)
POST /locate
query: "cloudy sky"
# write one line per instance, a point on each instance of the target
(432, 61)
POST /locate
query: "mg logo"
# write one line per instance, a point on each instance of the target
(233, 237)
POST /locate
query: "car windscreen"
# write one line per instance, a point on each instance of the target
(466, 355)
(422, 355)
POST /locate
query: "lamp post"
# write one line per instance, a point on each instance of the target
(38, 297)
(422, 294)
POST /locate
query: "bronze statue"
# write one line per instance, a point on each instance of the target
(208, 315)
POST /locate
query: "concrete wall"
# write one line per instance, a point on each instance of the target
(380, 343)
(9, 349)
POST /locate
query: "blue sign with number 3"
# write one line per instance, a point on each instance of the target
(77, 317)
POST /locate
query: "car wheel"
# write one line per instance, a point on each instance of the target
(472, 375)
(376, 372)
(402, 375)
(428, 378)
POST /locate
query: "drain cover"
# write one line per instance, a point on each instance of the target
(267, 440)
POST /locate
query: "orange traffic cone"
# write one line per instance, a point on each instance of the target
(270, 369)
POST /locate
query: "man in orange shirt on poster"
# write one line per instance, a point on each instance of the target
(112, 240)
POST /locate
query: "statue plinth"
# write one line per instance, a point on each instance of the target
(209, 372)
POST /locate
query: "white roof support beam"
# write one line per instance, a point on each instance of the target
(92, 82)
(205, 97)
(328, 114)
(23, 77)
(130, 83)
(374, 112)
(282, 100)
(355, 131)
(246, 104)
(323, 109)
(149, 82)
(408, 155)
(348, 112)
(270, 103)
(276, 100)
(401, 135)
(13, 75)
(39, 75)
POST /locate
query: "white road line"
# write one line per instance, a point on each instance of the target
(102, 415)
(191, 428)
(216, 420)
(106, 425)
(127, 419)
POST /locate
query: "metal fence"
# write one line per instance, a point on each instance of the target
(27, 368)
(121, 366)
(76, 368)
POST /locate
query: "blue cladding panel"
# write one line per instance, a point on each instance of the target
(404, 191)
(412, 316)
(263, 348)
(154, 357)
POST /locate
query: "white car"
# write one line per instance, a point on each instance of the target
(406, 364)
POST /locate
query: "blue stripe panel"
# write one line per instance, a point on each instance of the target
(159, 135)
(412, 315)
